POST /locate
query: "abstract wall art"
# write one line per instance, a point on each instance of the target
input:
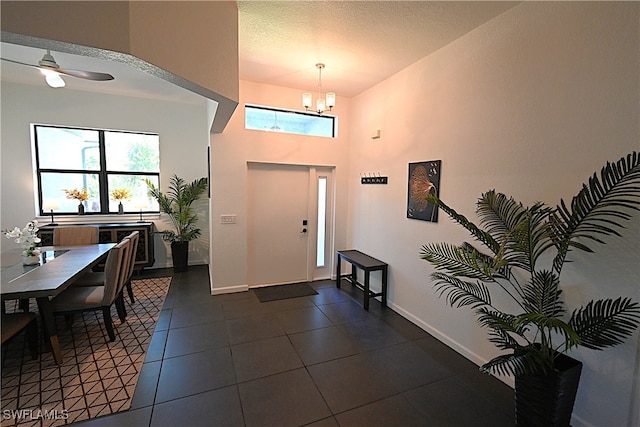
(424, 179)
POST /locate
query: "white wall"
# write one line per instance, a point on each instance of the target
(531, 104)
(184, 137)
(230, 152)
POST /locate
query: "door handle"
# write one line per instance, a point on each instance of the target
(304, 230)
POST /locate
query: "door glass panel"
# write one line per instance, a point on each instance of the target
(322, 221)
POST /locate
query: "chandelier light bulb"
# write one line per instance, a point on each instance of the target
(307, 100)
(331, 100)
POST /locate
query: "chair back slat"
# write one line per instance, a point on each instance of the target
(74, 236)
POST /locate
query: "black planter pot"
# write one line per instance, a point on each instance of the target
(548, 400)
(180, 256)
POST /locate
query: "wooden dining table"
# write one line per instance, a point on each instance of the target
(59, 267)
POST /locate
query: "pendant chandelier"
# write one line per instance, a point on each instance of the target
(321, 103)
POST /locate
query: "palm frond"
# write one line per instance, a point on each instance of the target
(529, 238)
(455, 260)
(501, 326)
(523, 361)
(599, 208)
(476, 232)
(494, 266)
(460, 293)
(605, 323)
(505, 364)
(545, 325)
(543, 294)
(499, 214)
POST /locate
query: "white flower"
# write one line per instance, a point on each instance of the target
(26, 237)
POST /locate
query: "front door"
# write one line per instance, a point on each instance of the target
(282, 224)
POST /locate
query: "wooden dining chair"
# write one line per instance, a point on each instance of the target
(13, 323)
(79, 299)
(75, 236)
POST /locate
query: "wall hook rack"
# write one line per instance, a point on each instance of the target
(373, 178)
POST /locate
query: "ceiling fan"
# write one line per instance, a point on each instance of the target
(52, 71)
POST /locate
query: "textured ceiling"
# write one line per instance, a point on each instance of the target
(361, 43)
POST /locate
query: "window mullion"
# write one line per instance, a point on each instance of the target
(102, 175)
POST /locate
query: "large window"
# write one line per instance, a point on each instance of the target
(100, 162)
(274, 120)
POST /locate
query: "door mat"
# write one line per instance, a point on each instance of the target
(274, 293)
(96, 378)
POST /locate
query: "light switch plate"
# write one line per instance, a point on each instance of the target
(228, 219)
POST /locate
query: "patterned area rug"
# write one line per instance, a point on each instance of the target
(97, 377)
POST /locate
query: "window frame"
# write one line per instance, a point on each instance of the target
(301, 113)
(102, 172)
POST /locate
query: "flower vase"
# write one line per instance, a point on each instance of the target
(80, 209)
(30, 259)
(120, 208)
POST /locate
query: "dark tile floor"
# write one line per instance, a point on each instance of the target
(230, 360)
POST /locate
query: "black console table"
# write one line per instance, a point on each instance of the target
(113, 233)
(367, 264)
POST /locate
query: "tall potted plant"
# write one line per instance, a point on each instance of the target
(537, 334)
(177, 203)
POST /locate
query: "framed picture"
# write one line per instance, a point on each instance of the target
(424, 179)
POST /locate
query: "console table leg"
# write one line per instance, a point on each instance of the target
(338, 278)
(366, 290)
(384, 287)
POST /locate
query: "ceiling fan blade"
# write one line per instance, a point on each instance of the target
(21, 63)
(89, 75)
(48, 63)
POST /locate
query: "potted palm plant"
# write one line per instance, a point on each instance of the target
(177, 203)
(517, 241)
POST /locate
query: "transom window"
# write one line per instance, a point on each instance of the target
(286, 121)
(104, 163)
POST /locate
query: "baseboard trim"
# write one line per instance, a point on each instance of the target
(229, 290)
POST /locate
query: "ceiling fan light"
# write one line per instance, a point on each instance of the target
(306, 100)
(53, 79)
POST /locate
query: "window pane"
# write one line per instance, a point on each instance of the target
(322, 220)
(132, 152)
(273, 120)
(64, 148)
(137, 189)
(54, 184)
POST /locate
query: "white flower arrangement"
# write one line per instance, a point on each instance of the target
(26, 237)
